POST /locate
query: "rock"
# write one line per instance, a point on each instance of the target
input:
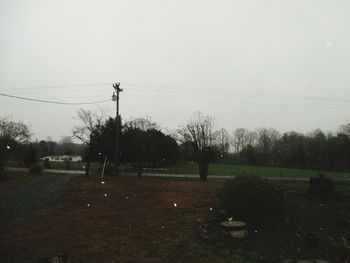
(312, 261)
(203, 234)
(233, 224)
(206, 225)
(60, 258)
(240, 234)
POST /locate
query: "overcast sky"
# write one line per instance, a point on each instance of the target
(248, 63)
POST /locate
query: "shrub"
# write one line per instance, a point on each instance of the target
(30, 157)
(37, 169)
(252, 198)
(47, 164)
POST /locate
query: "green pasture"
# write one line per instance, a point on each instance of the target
(214, 169)
(230, 169)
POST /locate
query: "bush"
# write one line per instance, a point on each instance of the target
(37, 169)
(47, 164)
(252, 198)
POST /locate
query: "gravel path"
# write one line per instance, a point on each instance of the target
(19, 202)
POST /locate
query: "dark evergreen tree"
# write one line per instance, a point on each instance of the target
(30, 157)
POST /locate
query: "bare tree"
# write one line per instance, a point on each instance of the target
(142, 123)
(240, 139)
(266, 140)
(90, 121)
(223, 140)
(11, 133)
(14, 131)
(344, 129)
(200, 133)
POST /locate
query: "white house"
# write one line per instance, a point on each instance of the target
(63, 158)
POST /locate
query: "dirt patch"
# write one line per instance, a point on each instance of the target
(127, 219)
(120, 220)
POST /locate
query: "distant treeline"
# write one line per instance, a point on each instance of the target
(265, 146)
(316, 150)
(29, 153)
(143, 143)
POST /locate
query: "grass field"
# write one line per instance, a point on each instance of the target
(214, 169)
(230, 169)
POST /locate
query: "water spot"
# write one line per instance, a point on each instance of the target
(88, 205)
(329, 44)
(126, 197)
(306, 80)
(102, 182)
(175, 204)
(105, 195)
(211, 209)
(8, 147)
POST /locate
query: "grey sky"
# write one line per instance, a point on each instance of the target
(274, 63)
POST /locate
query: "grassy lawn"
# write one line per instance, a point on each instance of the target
(136, 221)
(229, 169)
(215, 169)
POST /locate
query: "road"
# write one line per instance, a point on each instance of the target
(273, 178)
(19, 202)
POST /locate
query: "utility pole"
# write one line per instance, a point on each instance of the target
(115, 97)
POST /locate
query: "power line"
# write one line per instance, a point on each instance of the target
(221, 93)
(60, 86)
(239, 101)
(52, 102)
(199, 92)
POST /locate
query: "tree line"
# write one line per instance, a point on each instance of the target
(315, 150)
(144, 144)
